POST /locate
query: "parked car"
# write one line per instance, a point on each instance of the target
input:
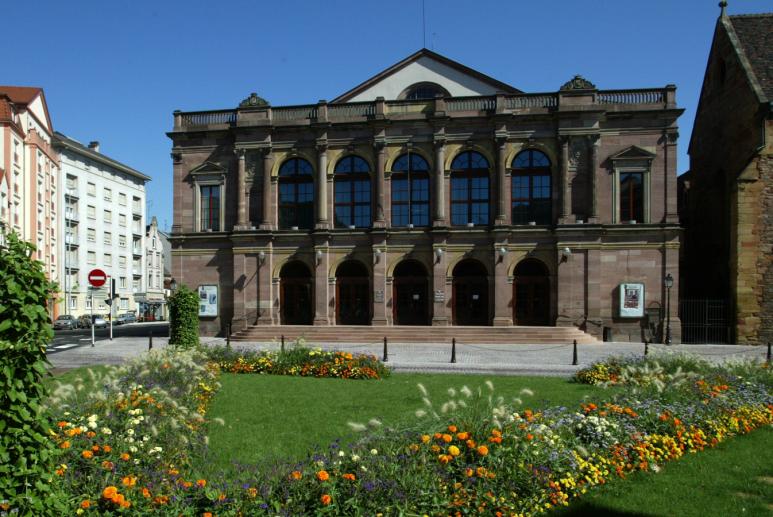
(85, 321)
(130, 317)
(65, 322)
(125, 318)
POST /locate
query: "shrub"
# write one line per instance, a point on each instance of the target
(26, 453)
(184, 318)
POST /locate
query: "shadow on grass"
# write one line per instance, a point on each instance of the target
(585, 508)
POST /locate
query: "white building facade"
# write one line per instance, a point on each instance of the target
(153, 300)
(104, 228)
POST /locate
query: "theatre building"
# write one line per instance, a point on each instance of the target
(432, 195)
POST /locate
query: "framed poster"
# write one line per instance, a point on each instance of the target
(208, 301)
(631, 300)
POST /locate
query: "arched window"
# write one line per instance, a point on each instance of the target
(422, 91)
(531, 192)
(410, 191)
(469, 189)
(352, 192)
(296, 194)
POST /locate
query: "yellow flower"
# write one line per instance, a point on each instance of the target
(453, 450)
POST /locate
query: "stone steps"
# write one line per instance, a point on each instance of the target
(414, 334)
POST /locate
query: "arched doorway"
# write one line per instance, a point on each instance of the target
(532, 293)
(352, 294)
(410, 294)
(296, 300)
(471, 303)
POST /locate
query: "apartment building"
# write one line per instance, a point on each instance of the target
(29, 174)
(104, 227)
(153, 300)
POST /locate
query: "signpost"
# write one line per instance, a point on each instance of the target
(97, 278)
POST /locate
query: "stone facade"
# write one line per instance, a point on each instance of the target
(729, 203)
(582, 253)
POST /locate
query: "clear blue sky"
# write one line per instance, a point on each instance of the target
(115, 70)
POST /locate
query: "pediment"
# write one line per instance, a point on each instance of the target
(209, 168)
(425, 67)
(633, 153)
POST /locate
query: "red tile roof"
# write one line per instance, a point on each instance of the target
(21, 94)
(755, 32)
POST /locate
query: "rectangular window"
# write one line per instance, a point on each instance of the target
(91, 189)
(122, 199)
(122, 219)
(210, 208)
(107, 216)
(91, 257)
(122, 262)
(88, 302)
(136, 284)
(91, 212)
(632, 196)
(108, 194)
(122, 241)
(124, 303)
(91, 235)
(108, 239)
(73, 302)
(108, 259)
(122, 282)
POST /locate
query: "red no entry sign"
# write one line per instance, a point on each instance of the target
(97, 277)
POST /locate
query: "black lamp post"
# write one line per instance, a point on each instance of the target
(173, 285)
(669, 283)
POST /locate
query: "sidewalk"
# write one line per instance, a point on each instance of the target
(536, 359)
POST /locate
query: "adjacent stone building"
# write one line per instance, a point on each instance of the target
(728, 194)
(152, 299)
(29, 175)
(432, 194)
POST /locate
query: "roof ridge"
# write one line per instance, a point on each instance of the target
(751, 15)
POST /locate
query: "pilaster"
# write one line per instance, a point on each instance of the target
(379, 280)
(322, 295)
(565, 216)
(501, 209)
(439, 208)
(595, 143)
(266, 222)
(379, 221)
(322, 221)
(503, 287)
(241, 197)
(441, 295)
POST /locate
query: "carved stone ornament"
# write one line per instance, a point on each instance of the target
(253, 101)
(575, 152)
(578, 82)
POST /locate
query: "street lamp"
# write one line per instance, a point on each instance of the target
(669, 283)
(173, 285)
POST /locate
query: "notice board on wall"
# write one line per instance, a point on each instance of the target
(208, 301)
(631, 300)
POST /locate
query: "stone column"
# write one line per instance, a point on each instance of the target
(440, 297)
(439, 212)
(265, 300)
(503, 290)
(501, 214)
(379, 295)
(594, 324)
(379, 221)
(265, 223)
(321, 294)
(241, 178)
(669, 181)
(595, 143)
(566, 193)
(321, 194)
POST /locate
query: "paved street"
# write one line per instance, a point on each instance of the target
(130, 336)
(532, 359)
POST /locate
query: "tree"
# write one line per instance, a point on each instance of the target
(184, 318)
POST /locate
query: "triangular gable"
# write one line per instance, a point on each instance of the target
(33, 99)
(426, 66)
(209, 168)
(632, 153)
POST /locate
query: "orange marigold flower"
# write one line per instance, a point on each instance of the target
(125, 456)
(59, 472)
(425, 438)
(61, 424)
(252, 492)
(326, 499)
(322, 475)
(435, 449)
(529, 437)
(447, 438)
(85, 504)
(108, 465)
(495, 439)
(129, 481)
(482, 450)
(91, 434)
(445, 458)
(296, 474)
(496, 432)
(677, 421)
(454, 450)
(95, 448)
(469, 472)
(480, 471)
(470, 443)
(452, 429)
(145, 492)
(463, 436)
(206, 514)
(107, 448)
(87, 454)
(438, 436)
(109, 492)
(350, 477)
(65, 444)
(201, 483)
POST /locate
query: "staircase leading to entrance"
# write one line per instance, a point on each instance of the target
(414, 334)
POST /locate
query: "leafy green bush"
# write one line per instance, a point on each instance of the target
(184, 318)
(27, 455)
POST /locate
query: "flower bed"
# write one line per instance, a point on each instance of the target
(300, 361)
(473, 453)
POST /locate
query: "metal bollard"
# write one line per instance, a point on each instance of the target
(150, 340)
(453, 350)
(283, 343)
(228, 335)
(574, 354)
(386, 356)
(646, 348)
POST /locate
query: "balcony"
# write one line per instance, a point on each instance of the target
(506, 104)
(137, 252)
(71, 193)
(136, 210)
(137, 230)
(71, 240)
(71, 216)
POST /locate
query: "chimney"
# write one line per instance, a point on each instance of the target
(94, 146)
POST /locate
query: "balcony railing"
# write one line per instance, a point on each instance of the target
(452, 106)
(71, 192)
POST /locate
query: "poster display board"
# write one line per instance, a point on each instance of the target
(208, 301)
(631, 300)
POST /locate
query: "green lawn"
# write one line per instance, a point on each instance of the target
(735, 478)
(271, 417)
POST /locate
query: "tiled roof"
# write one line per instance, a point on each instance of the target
(21, 94)
(755, 32)
(6, 114)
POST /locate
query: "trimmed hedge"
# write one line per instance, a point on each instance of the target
(184, 318)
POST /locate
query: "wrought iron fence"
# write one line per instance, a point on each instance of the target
(705, 321)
